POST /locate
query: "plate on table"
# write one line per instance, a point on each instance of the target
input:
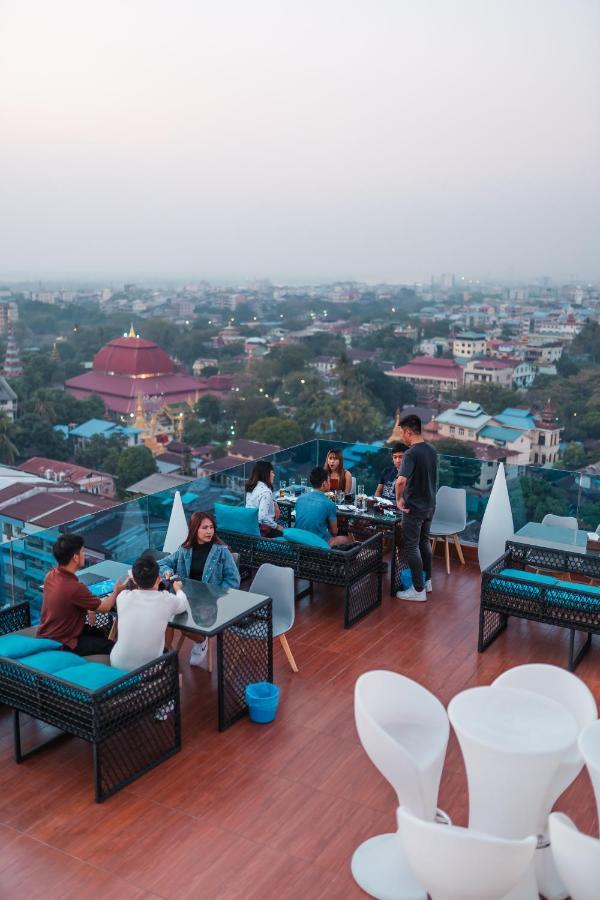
(383, 501)
(347, 507)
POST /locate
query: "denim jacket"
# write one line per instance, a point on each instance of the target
(220, 568)
(261, 499)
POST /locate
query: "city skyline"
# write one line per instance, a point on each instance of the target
(345, 143)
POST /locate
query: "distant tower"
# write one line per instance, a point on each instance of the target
(140, 416)
(12, 361)
(132, 331)
(54, 355)
(396, 437)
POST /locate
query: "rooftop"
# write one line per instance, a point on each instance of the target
(430, 367)
(287, 803)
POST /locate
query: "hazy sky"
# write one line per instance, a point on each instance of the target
(368, 139)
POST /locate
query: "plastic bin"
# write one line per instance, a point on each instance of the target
(262, 699)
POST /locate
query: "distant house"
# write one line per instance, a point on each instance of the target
(463, 423)
(89, 481)
(249, 450)
(324, 365)
(156, 482)
(430, 373)
(28, 507)
(8, 400)
(489, 371)
(83, 433)
(468, 344)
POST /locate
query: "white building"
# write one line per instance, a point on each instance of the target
(468, 344)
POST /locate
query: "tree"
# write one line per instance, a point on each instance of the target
(209, 408)
(389, 393)
(452, 447)
(34, 437)
(539, 498)
(492, 397)
(574, 457)
(286, 358)
(270, 430)
(135, 463)
(8, 451)
(101, 453)
(197, 433)
(566, 367)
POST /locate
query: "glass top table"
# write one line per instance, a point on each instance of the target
(241, 622)
(552, 536)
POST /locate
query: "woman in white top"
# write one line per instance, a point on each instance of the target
(259, 495)
(144, 614)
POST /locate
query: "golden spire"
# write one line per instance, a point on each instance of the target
(132, 331)
(396, 437)
(140, 417)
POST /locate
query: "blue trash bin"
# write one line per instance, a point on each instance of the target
(262, 699)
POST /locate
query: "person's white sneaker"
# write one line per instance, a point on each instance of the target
(412, 594)
(428, 586)
(199, 654)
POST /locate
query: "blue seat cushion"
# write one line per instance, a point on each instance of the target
(301, 536)
(237, 518)
(578, 596)
(528, 576)
(92, 675)
(14, 646)
(528, 587)
(52, 661)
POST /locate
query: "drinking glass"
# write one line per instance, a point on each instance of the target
(303, 484)
(360, 496)
(339, 497)
(282, 486)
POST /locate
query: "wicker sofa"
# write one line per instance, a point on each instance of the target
(510, 589)
(358, 570)
(133, 722)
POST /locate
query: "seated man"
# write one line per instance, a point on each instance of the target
(66, 601)
(144, 614)
(387, 481)
(317, 513)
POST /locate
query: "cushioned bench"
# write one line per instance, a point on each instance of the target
(357, 570)
(507, 590)
(132, 719)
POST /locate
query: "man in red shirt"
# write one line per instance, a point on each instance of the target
(67, 601)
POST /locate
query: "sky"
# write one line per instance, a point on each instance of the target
(376, 140)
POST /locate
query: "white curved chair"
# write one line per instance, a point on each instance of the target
(560, 521)
(570, 691)
(449, 519)
(277, 582)
(589, 745)
(404, 731)
(458, 864)
(577, 858)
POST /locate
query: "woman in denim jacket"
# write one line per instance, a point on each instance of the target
(204, 557)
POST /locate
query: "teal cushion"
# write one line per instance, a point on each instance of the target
(583, 588)
(14, 646)
(528, 576)
(275, 546)
(300, 536)
(92, 676)
(576, 596)
(52, 661)
(237, 518)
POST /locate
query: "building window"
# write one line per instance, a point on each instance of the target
(543, 458)
(542, 440)
(535, 458)
(461, 430)
(452, 429)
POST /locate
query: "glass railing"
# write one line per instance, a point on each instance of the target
(121, 533)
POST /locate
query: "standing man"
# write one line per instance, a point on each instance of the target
(415, 496)
(66, 602)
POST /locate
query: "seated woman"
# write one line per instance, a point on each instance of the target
(259, 495)
(204, 557)
(339, 478)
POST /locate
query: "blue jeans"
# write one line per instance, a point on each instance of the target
(416, 546)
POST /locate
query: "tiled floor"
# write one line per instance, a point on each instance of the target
(262, 810)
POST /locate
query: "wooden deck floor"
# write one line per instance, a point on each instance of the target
(262, 810)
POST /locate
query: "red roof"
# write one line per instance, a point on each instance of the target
(133, 356)
(119, 392)
(431, 367)
(492, 364)
(40, 465)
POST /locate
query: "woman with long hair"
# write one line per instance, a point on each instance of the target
(259, 495)
(339, 478)
(204, 557)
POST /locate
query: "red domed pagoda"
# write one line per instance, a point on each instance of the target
(129, 367)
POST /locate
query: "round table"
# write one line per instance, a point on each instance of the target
(512, 743)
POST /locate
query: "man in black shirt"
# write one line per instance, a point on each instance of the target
(415, 496)
(387, 480)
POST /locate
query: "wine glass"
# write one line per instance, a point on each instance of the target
(282, 486)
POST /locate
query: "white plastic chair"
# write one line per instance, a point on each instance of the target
(570, 691)
(404, 731)
(577, 858)
(458, 864)
(560, 521)
(277, 582)
(589, 745)
(449, 519)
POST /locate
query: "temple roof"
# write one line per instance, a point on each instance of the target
(133, 356)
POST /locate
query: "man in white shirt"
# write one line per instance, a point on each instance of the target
(144, 614)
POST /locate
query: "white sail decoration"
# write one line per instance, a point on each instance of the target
(178, 526)
(497, 525)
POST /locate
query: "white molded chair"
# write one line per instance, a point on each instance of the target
(404, 731)
(560, 521)
(458, 864)
(449, 519)
(570, 691)
(277, 582)
(589, 745)
(577, 858)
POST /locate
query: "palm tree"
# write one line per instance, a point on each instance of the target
(8, 451)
